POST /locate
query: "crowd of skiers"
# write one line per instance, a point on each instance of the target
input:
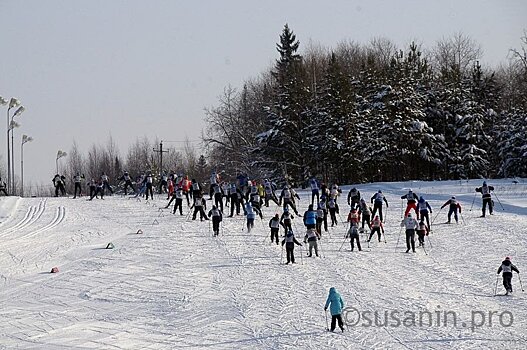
(247, 197)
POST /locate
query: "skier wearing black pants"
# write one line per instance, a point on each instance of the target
(149, 185)
(507, 267)
(274, 225)
(376, 226)
(336, 304)
(322, 217)
(285, 221)
(411, 225)
(218, 196)
(353, 233)
(198, 206)
(377, 200)
(236, 200)
(486, 197)
(216, 216)
(127, 182)
(177, 195)
(77, 181)
(290, 242)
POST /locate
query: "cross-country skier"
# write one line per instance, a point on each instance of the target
(335, 192)
(170, 183)
(353, 233)
(274, 225)
(376, 226)
(333, 208)
(410, 224)
(290, 242)
(197, 189)
(422, 231)
(312, 237)
(106, 183)
(199, 207)
(93, 188)
(454, 206)
(336, 305)
(411, 202)
(149, 185)
(99, 189)
(236, 199)
(214, 180)
(77, 182)
(377, 205)
(354, 197)
(215, 215)
(177, 195)
(288, 195)
(310, 217)
(486, 198)
(285, 220)
(217, 192)
(163, 184)
(507, 267)
(127, 182)
(185, 185)
(322, 217)
(250, 212)
(313, 183)
(269, 189)
(58, 182)
(365, 211)
(424, 207)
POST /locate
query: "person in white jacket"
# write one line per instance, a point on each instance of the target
(410, 224)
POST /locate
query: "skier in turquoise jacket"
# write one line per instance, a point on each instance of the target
(336, 304)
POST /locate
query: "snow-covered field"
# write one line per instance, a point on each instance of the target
(175, 286)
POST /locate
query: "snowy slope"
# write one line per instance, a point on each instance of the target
(175, 286)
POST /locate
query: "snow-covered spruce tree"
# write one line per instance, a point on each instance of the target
(512, 144)
(282, 146)
(333, 129)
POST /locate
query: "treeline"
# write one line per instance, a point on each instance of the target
(358, 113)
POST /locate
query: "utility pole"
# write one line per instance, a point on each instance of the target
(160, 151)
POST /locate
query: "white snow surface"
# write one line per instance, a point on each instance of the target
(176, 287)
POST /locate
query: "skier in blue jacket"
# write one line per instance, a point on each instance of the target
(310, 217)
(336, 304)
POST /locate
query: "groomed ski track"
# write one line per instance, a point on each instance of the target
(176, 287)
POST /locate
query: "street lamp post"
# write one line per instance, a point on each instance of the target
(19, 111)
(3, 102)
(25, 139)
(12, 104)
(60, 154)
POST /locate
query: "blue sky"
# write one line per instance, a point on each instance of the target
(89, 69)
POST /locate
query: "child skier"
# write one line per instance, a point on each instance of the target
(336, 304)
(199, 204)
(454, 206)
(290, 242)
(177, 195)
(333, 210)
(422, 231)
(376, 226)
(377, 205)
(310, 217)
(365, 212)
(507, 267)
(424, 208)
(285, 220)
(312, 237)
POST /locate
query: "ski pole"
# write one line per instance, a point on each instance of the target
(282, 255)
(384, 237)
(320, 249)
(520, 279)
(435, 217)
(398, 238)
(462, 218)
(402, 203)
(473, 201)
(496, 286)
(302, 254)
(429, 242)
(344, 241)
(327, 326)
(494, 193)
